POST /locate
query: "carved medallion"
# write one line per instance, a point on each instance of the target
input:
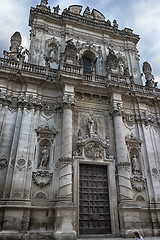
(3, 163)
(21, 164)
(94, 151)
(42, 178)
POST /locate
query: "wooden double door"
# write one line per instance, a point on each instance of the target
(94, 211)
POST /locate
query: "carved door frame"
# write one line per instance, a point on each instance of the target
(110, 163)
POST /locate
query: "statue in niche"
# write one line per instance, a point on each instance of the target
(121, 68)
(92, 126)
(44, 157)
(135, 165)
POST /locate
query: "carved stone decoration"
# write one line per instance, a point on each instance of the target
(115, 25)
(112, 60)
(56, 10)
(3, 163)
(48, 108)
(70, 52)
(129, 120)
(16, 53)
(92, 127)
(116, 110)
(16, 195)
(16, 40)
(139, 183)
(87, 13)
(44, 157)
(94, 151)
(92, 148)
(42, 178)
(21, 164)
(40, 195)
(147, 70)
(46, 133)
(140, 198)
(98, 15)
(133, 142)
(75, 9)
(68, 101)
(155, 172)
(125, 165)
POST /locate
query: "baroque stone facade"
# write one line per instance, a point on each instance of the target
(79, 132)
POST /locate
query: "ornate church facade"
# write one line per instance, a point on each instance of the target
(79, 132)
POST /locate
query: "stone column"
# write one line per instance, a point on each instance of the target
(123, 166)
(13, 218)
(65, 209)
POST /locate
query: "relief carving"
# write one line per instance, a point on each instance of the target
(40, 195)
(21, 163)
(3, 163)
(94, 151)
(46, 132)
(42, 178)
(139, 183)
(133, 142)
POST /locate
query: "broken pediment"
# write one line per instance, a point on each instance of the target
(98, 15)
(75, 9)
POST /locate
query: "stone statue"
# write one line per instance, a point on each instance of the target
(135, 165)
(44, 156)
(121, 68)
(115, 24)
(56, 9)
(44, 3)
(147, 70)
(92, 126)
(15, 40)
(87, 12)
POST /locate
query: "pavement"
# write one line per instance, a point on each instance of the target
(109, 238)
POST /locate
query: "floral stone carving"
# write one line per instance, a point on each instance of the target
(139, 183)
(42, 178)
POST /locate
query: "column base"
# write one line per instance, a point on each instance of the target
(65, 219)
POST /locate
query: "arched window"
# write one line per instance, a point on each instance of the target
(87, 65)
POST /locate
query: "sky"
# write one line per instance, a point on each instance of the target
(143, 16)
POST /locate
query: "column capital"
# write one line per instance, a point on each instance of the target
(117, 109)
(68, 101)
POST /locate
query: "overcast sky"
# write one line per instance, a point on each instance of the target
(143, 16)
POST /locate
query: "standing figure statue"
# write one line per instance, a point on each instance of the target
(44, 156)
(92, 126)
(135, 165)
